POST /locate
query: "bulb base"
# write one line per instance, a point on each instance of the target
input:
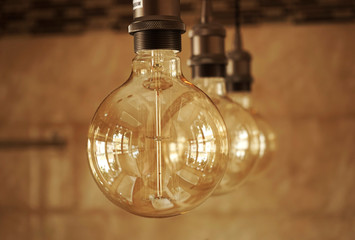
(239, 76)
(156, 25)
(207, 45)
(235, 86)
(208, 70)
(157, 39)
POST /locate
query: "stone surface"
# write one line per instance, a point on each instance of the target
(109, 226)
(14, 226)
(16, 187)
(75, 226)
(75, 73)
(302, 71)
(58, 174)
(47, 79)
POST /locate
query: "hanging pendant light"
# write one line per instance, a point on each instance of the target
(157, 145)
(239, 86)
(208, 63)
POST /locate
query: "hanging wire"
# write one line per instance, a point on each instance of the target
(206, 11)
(238, 36)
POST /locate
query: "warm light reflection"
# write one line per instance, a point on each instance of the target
(101, 157)
(262, 144)
(242, 131)
(125, 188)
(241, 144)
(267, 138)
(174, 155)
(201, 147)
(162, 150)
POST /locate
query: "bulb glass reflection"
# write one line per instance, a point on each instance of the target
(157, 146)
(242, 132)
(267, 137)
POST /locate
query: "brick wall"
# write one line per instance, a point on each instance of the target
(50, 87)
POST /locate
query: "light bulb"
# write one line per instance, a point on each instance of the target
(157, 145)
(267, 137)
(239, 82)
(242, 131)
(208, 63)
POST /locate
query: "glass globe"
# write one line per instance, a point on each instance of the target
(157, 145)
(242, 131)
(267, 136)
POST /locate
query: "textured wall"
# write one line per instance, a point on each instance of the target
(304, 83)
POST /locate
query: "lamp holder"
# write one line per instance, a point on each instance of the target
(156, 25)
(239, 76)
(207, 45)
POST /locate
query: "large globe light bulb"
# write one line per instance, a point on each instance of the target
(243, 132)
(157, 145)
(267, 139)
(208, 63)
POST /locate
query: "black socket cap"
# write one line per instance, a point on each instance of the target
(239, 76)
(207, 45)
(157, 23)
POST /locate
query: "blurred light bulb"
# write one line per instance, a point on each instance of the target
(242, 131)
(208, 63)
(239, 82)
(157, 145)
(267, 137)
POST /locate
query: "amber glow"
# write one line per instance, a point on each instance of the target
(157, 146)
(267, 137)
(242, 132)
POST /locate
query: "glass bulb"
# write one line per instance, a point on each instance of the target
(157, 145)
(267, 137)
(242, 131)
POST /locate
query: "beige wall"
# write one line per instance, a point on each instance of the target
(304, 84)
